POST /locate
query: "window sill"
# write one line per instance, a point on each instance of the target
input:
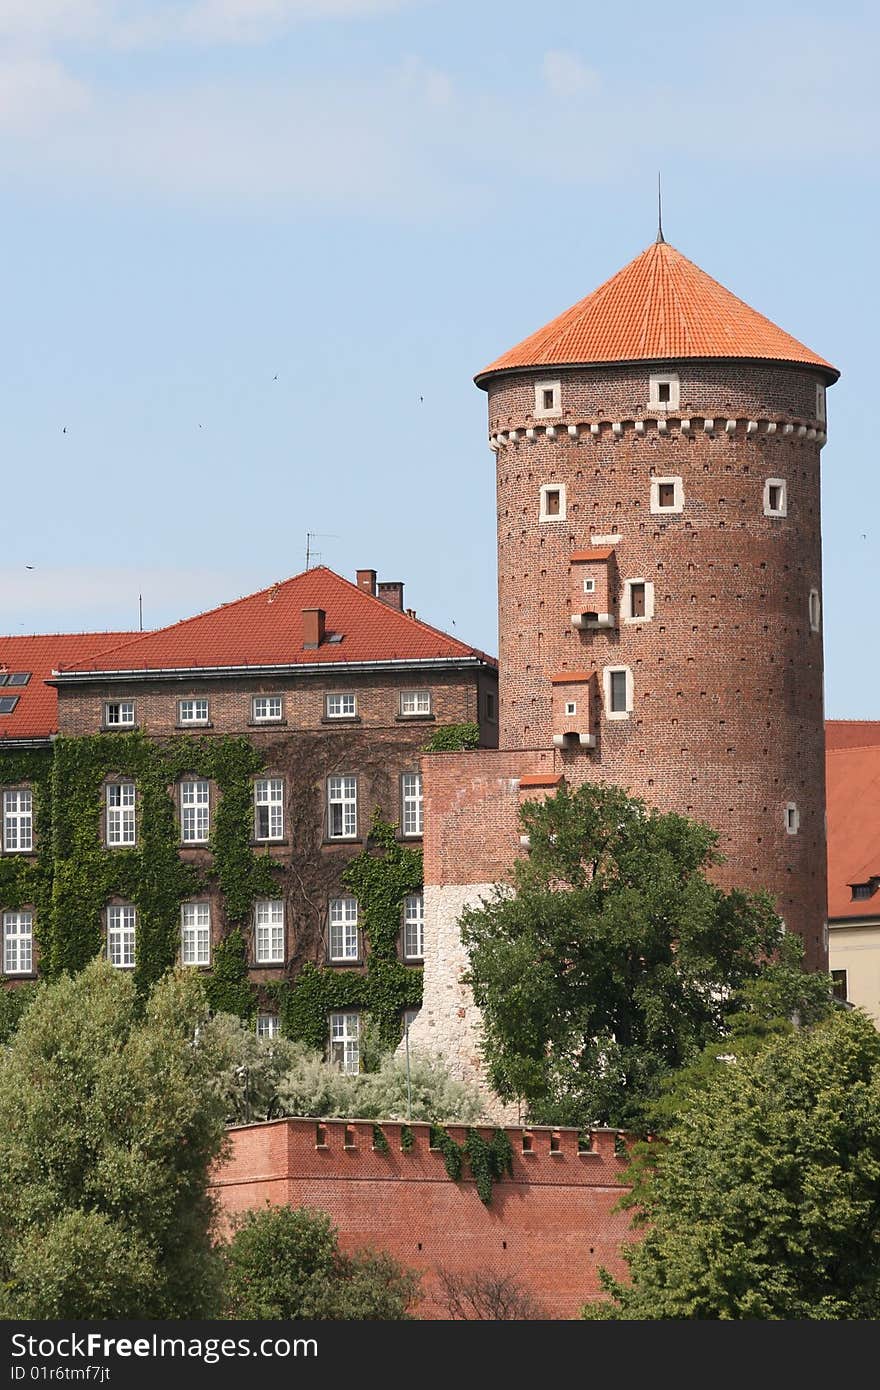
(268, 965)
(341, 719)
(413, 960)
(342, 840)
(262, 844)
(196, 724)
(20, 853)
(414, 718)
(197, 844)
(360, 962)
(410, 839)
(266, 724)
(20, 974)
(118, 728)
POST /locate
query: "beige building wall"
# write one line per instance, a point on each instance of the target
(855, 948)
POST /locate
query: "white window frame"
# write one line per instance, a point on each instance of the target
(344, 1042)
(546, 489)
(121, 922)
(414, 926)
(269, 793)
(195, 933)
(626, 601)
(343, 698)
(268, 1025)
(607, 673)
(18, 942)
(269, 932)
(123, 716)
(343, 930)
(571, 709)
(18, 820)
(677, 496)
(263, 709)
(820, 401)
(782, 509)
(589, 585)
(412, 805)
(420, 701)
(792, 818)
(187, 710)
(551, 412)
(342, 807)
(121, 813)
(814, 610)
(195, 811)
(658, 379)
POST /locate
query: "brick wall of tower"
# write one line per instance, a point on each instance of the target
(726, 724)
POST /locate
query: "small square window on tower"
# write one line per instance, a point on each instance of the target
(552, 502)
(548, 399)
(667, 495)
(663, 391)
(775, 497)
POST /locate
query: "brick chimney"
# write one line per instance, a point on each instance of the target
(313, 627)
(366, 580)
(392, 594)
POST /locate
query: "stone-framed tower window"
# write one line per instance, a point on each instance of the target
(663, 391)
(548, 399)
(617, 687)
(552, 502)
(775, 497)
(667, 495)
(815, 610)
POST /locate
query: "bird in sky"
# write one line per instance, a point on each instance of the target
(28, 567)
(422, 399)
(275, 377)
(64, 431)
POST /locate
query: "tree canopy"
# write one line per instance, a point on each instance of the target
(108, 1128)
(763, 1200)
(614, 960)
(285, 1262)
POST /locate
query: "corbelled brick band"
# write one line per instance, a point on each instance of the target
(550, 1226)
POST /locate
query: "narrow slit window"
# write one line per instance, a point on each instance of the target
(618, 692)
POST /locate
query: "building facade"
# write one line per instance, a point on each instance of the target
(198, 793)
(659, 571)
(853, 782)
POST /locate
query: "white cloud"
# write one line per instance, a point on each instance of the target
(36, 91)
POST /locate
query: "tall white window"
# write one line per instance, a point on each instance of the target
(343, 929)
(341, 706)
(195, 811)
(267, 1025)
(342, 808)
(344, 1042)
(120, 813)
(269, 931)
(119, 714)
(267, 709)
(121, 933)
(18, 943)
(411, 798)
(414, 926)
(415, 702)
(192, 712)
(269, 808)
(18, 821)
(195, 934)
(618, 690)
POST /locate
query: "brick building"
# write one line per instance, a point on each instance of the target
(853, 797)
(277, 725)
(659, 571)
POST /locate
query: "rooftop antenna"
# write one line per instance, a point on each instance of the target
(660, 236)
(141, 612)
(315, 535)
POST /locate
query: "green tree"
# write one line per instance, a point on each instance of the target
(108, 1128)
(614, 961)
(285, 1262)
(763, 1201)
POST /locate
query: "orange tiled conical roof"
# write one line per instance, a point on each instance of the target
(659, 307)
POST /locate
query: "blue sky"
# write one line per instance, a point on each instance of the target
(370, 199)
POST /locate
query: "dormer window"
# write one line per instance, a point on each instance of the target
(862, 891)
(548, 399)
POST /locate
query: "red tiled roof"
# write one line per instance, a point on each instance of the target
(36, 713)
(659, 307)
(541, 779)
(851, 733)
(852, 801)
(266, 629)
(571, 677)
(598, 553)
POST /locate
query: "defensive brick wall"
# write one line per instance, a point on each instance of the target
(550, 1225)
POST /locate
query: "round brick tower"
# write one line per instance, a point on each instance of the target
(659, 563)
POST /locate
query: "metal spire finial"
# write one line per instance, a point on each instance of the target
(660, 236)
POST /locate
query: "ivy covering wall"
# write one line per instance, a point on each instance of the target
(74, 875)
